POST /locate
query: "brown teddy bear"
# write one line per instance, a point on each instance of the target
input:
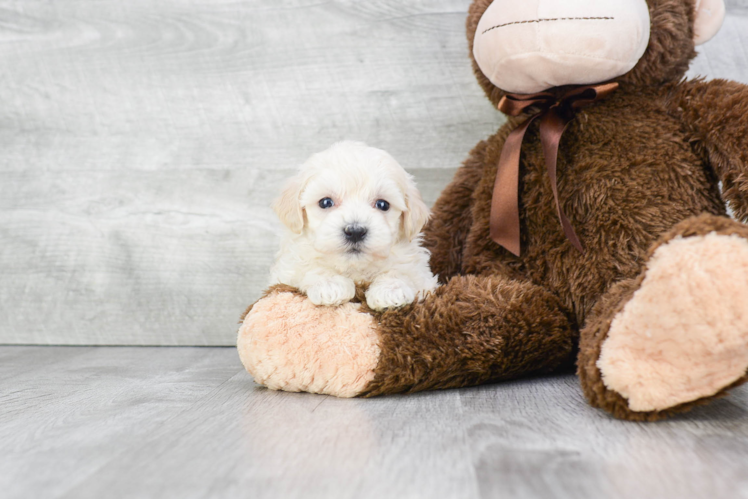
(603, 238)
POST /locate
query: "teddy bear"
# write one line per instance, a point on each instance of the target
(591, 229)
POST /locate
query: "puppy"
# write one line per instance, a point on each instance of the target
(353, 216)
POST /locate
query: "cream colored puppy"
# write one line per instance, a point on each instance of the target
(353, 216)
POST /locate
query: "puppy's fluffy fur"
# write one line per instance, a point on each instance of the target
(353, 216)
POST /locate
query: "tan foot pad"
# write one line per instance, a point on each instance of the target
(684, 334)
(287, 343)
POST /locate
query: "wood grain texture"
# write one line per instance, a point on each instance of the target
(188, 422)
(142, 142)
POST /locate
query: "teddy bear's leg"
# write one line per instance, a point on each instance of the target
(472, 330)
(469, 331)
(677, 335)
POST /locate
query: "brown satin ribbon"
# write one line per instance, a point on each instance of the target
(556, 112)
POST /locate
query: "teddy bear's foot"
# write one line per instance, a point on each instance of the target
(680, 334)
(287, 343)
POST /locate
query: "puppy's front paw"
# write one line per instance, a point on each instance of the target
(332, 291)
(389, 293)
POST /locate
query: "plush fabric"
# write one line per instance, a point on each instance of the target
(683, 335)
(321, 359)
(611, 306)
(517, 43)
(638, 177)
(711, 15)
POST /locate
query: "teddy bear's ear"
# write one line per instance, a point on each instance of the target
(288, 206)
(708, 20)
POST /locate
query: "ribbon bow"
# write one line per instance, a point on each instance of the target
(555, 115)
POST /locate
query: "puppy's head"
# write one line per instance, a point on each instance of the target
(353, 201)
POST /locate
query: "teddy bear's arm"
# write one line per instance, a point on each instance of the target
(716, 114)
(451, 218)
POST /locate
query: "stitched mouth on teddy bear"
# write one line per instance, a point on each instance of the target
(549, 20)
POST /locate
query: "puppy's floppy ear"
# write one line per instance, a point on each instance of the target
(288, 206)
(416, 212)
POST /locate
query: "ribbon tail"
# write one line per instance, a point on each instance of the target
(505, 225)
(551, 129)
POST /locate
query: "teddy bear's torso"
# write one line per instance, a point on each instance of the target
(627, 173)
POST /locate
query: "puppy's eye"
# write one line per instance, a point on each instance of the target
(326, 203)
(382, 205)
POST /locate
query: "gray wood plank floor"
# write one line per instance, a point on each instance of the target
(189, 422)
(143, 140)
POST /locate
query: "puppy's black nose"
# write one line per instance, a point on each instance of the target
(354, 233)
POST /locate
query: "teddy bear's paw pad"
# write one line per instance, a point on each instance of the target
(287, 343)
(684, 334)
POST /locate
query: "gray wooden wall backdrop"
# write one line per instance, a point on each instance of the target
(143, 140)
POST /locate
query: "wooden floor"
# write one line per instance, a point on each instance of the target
(189, 422)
